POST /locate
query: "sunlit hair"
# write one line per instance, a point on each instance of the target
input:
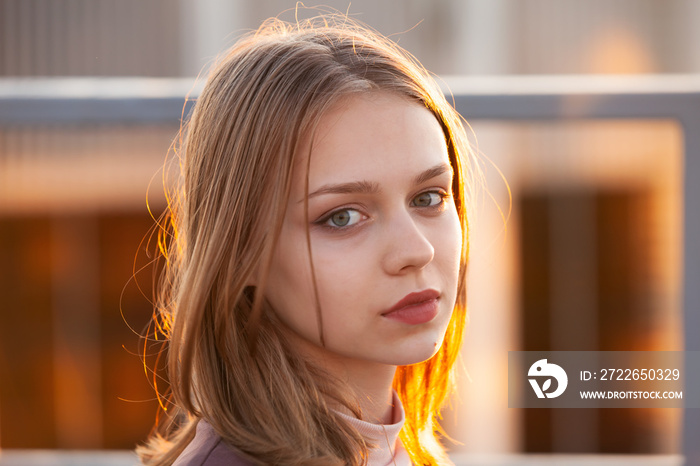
(227, 358)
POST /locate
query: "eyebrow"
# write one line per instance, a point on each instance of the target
(368, 187)
(431, 173)
(361, 187)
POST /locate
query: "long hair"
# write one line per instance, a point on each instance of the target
(227, 359)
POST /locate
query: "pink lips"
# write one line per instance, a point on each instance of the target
(415, 308)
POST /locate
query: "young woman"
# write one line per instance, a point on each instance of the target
(314, 293)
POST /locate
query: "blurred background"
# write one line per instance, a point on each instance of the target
(581, 249)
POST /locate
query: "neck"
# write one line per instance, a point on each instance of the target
(370, 382)
(373, 390)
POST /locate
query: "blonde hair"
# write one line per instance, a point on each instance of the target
(228, 361)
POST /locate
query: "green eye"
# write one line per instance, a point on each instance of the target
(343, 218)
(340, 219)
(427, 199)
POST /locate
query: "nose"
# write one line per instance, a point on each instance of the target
(407, 246)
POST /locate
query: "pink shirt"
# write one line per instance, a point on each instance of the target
(389, 450)
(207, 448)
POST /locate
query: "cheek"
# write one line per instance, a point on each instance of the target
(289, 290)
(451, 236)
(449, 249)
(342, 272)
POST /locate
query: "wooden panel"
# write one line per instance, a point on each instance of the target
(129, 404)
(26, 364)
(623, 293)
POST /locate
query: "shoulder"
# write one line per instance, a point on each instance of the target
(208, 449)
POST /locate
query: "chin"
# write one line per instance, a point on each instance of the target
(416, 354)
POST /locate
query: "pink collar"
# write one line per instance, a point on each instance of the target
(389, 449)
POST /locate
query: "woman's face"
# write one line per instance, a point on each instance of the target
(384, 231)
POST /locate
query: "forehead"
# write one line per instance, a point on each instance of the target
(371, 135)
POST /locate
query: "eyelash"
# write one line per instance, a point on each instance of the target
(323, 221)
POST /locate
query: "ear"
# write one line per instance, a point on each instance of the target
(259, 267)
(254, 279)
(255, 275)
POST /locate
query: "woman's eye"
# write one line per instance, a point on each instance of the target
(343, 218)
(428, 199)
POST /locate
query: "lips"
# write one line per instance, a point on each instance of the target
(415, 308)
